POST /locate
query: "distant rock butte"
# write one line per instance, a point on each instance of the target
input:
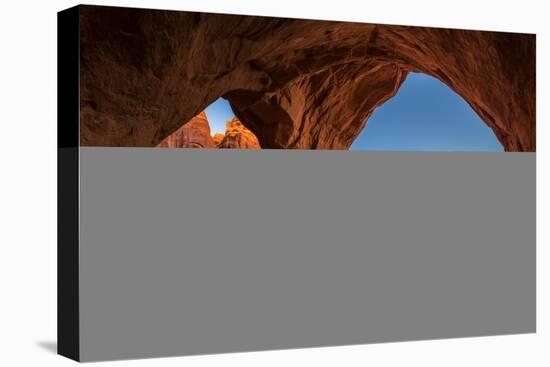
(194, 134)
(295, 83)
(237, 136)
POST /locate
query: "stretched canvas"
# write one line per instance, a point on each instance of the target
(234, 183)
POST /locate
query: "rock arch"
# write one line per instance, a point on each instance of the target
(294, 83)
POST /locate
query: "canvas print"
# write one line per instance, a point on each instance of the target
(166, 79)
(231, 183)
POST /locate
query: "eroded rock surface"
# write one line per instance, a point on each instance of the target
(194, 134)
(293, 83)
(237, 136)
(218, 138)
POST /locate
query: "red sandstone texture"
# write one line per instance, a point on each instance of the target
(194, 134)
(294, 83)
(218, 138)
(237, 136)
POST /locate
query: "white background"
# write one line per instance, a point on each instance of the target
(28, 182)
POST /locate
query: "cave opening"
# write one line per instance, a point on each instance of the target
(216, 127)
(426, 115)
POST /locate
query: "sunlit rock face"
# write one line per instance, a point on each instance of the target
(218, 138)
(194, 134)
(294, 83)
(237, 136)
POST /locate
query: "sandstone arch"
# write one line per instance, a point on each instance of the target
(293, 83)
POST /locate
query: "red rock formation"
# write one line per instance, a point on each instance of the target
(293, 83)
(194, 134)
(218, 138)
(237, 136)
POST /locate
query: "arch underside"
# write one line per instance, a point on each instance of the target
(302, 84)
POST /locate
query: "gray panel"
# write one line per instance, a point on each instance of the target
(209, 251)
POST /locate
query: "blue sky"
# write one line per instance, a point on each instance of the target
(425, 115)
(218, 113)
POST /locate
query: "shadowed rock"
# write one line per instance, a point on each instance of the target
(194, 134)
(293, 83)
